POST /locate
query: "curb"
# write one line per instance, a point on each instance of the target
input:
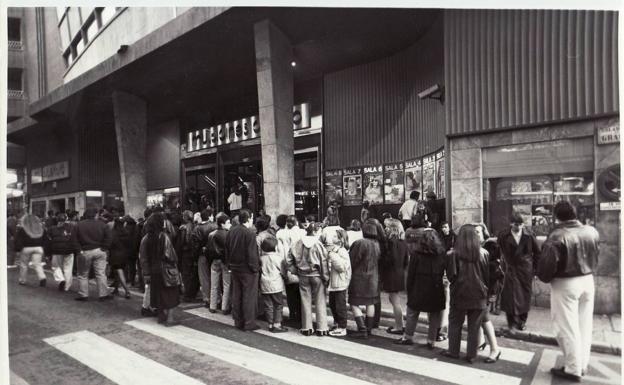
(529, 336)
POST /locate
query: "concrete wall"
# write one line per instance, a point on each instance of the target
(163, 155)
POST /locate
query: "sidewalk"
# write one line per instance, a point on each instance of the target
(607, 328)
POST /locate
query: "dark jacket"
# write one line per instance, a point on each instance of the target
(571, 250)
(184, 244)
(199, 238)
(393, 266)
(93, 234)
(63, 239)
(449, 240)
(469, 280)
(241, 250)
(364, 256)
(519, 262)
(216, 241)
(425, 287)
(121, 247)
(24, 240)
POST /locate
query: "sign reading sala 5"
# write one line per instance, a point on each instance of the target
(240, 130)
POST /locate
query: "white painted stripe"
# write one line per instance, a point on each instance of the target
(14, 379)
(271, 365)
(115, 362)
(542, 372)
(458, 374)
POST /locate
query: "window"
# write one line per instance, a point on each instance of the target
(14, 26)
(79, 44)
(91, 29)
(60, 12)
(15, 79)
(64, 31)
(106, 14)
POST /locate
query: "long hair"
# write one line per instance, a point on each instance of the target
(154, 226)
(332, 217)
(32, 225)
(467, 245)
(394, 229)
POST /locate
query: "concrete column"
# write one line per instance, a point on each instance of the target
(131, 132)
(275, 101)
(466, 187)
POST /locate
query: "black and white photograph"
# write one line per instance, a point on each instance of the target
(293, 193)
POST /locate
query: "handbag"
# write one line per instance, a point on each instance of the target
(170, 272)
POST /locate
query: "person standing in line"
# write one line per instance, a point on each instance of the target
(200, 242)
(433, 214)
(448, 240)
(354, 233)
(308, 259)
(63, 245)
(568, 261)
(272, 284)
(188, 263)
(220, 277)
(365, 211)
(393, 271)
(520, 253)
(235, 200)
(468, 271)
(159, 261)
(263, 228)
(119, 255)
(30, 240)
(241, 253)
(95, 239)
(332, 225)
(448, 235)
(141, 232)
(364, 256)
(339, 278)
(425, 286)
(288, 235)
(408, 209)
(383, 246)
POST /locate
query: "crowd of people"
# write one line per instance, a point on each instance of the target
(243, 266)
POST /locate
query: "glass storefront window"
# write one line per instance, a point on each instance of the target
(306, 185)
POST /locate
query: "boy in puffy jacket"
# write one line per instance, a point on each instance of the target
(339, 278)
(272, 284)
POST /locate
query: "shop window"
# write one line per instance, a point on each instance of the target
(14, 29)
(15, 79)
(306, 185)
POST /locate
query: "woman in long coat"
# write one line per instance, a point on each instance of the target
(120, 249)
(159, 263)
(520, 253)
(393, 271)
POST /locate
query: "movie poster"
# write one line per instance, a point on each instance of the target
(440, 174)
(333, 187)
(352, 186)
(413, 177)
(428, 174)
(394, 187)
(373, 183)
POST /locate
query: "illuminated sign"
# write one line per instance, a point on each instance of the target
(609, 134)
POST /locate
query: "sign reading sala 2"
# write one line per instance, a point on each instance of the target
(240, 130)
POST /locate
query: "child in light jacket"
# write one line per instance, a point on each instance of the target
(339, 277)
(272, 284)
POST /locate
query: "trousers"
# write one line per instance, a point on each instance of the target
(97, 258)
(456, 320)
(220, 280)
(203, 269)
(312, 290)
(412, 322)
(34, 255)
(244, 299)
(62, 266)
(338, 306)
(273, 305)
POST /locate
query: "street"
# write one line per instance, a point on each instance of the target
(56, 340)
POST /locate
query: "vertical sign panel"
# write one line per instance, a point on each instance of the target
(352, 185)
(394, 187)
(429, 174)
(413, 177)
(373, 182)
(333, 186)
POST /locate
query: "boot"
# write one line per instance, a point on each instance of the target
(361, 332)
(370, 324)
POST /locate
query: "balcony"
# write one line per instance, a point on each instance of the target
(15, 45)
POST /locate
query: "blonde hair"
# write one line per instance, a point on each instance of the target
(394, 229)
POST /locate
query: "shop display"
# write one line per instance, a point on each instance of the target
(373, 180)
(440, 174)
(352, 186)
(394, 187)
(428, 181)
(413, 177)
(333, 186)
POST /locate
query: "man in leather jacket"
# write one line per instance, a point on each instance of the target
(569, 257)
(199, 238)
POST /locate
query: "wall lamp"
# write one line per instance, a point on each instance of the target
(122, 48)
(434, 92)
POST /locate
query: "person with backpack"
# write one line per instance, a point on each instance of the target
(339, 278)
(63, 245)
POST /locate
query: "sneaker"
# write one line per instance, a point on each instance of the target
(42, 282)
(322, 333)
(306, 332)
(561, 373)
(212, 310)
(404, 341)
(338, 332)
(61, 286)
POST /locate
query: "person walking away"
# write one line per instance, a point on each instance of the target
(364, 285)
(220, 279)
(286, 237)
(64, 246)
(339, 278)
(121, 245)
(520, 254)
(568, 261)
(393, 269)
(159, 263)
(425, 285)
(448, 240)
(308, 259)
(200, 241)
(29, 241)
(272, 284)
(241, 254)
(95, 239)
(354, 233)
(186, 257)
(408, 209)
(468, 272)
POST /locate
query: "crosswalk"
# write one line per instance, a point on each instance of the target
(286, 358)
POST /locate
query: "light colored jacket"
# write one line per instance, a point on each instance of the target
(273, 271)
(340, 269)
(308, 257)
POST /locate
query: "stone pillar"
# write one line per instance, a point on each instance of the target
(466, 187)
(131, 132)
(275, 102)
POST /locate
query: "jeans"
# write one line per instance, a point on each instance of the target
(273, 305)
(444, 321)
(34, 255)
(190, 278)
(219, 274)
(338, 306)
(97, 258)
(571, 309)
(244, 299)
(456, 320)
(412, 322)
(147, 297)
(203, 269)
(312, 289)
(62, 266)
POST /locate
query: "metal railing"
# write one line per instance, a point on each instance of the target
(13, 44)
(15, 94)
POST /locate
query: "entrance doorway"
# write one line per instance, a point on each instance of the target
(246, 178)
(57, 205)
(201, 189)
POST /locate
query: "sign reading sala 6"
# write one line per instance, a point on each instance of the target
(240, 130)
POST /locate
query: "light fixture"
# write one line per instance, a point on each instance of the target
(293, 63)
(171, 190)
(94, 193)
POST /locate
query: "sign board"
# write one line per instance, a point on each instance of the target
(609, 134)
(610, 206)
(35, 176)
(55, 171)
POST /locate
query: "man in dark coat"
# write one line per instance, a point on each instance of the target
(200, 248)
(520, 254)
(241, 255)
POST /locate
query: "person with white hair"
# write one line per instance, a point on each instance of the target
(29, 242)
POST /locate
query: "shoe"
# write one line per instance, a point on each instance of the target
(280, 329)
(482, 346)
(322, 333)
(469, 360)
(338, 332)
(441, 337)
(521, 326)
(448, 354)
(252, 328)
(42, 282)
(106, 298)
(212, 310)
(227, 312)
(428, 345)
(392, 330)
(306, 332)
(127, 296)
(21, 283)
(61, 286)
(145, 312)
(404, 341)
(491, 360)
(82, 299)
(561, 373)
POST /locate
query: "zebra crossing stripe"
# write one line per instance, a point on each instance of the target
(426, 367)
(115, 362)
(281, 368)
